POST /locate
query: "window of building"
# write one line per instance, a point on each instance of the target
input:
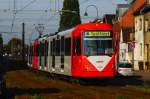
(67, 46)
(140, 49)
(146, 25)
(148, 1)
(140, 24)
(135, 25)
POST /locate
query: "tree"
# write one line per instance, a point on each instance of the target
(70, 15)
(1, 45)
(15, 45)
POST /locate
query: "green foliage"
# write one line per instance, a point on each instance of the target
(15, 45)
(70, 15)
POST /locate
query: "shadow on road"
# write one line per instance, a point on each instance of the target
(117, 81)
(12, 92)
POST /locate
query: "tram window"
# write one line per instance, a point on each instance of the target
(40, 49)
(34, 50)
(78, 46)
(62, 45)
(74, 46)
(51, 48)
(37, 50)
(67, 46)
(30, 55)
(57, 47)
(47, 44)
(31, 50)
(43, 49)
(53, 53)
(46, 52)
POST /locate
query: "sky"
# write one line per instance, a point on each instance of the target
(34, 12)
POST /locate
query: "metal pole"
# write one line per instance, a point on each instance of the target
(23, 42)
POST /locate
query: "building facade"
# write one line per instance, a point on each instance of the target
(142, 35)
(146, 13)
(139, 43)
(132, 40)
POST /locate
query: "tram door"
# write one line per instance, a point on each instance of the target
(62, 52)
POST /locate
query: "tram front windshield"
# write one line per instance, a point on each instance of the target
(97, 43)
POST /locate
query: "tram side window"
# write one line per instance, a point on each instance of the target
(43, 49)
(62, 45)
(37, 50)
(40, 49)
(67, 46)
(78, 46)
(47, 44)
(57, 47)
(46, 52)
(51, 48)
(31, 50)
(44, 44)
(34, 51)
(30, 54)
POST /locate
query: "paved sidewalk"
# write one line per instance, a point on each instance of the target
(145, 74)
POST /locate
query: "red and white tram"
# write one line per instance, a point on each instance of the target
(88, 50)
